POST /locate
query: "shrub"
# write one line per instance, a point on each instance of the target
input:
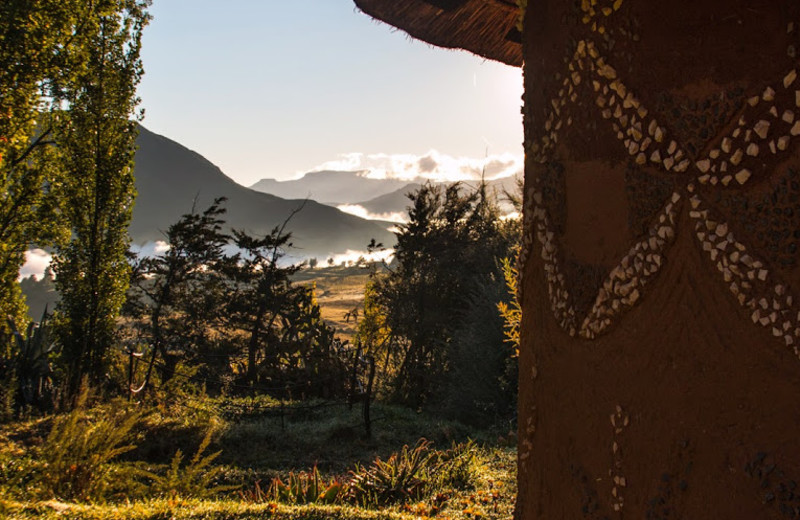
(402, 477)
(195, 479)
(412, 474)
(73, 461)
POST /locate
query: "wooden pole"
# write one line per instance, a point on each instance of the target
(368, 396)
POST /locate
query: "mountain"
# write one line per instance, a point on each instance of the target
(397, 201)
(330, 187)
(394, 202)
(171, 179)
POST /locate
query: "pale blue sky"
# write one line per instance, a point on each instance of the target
(272, 88)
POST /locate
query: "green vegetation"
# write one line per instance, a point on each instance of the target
(236, 320)
(67, 93)
(219, 348)
(108, 467)
(209, 316)
(433, 318)
(96, 145)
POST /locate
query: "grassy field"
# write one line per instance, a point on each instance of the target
(339, 290)
(257, 445)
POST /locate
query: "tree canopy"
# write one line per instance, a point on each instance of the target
(446, 275)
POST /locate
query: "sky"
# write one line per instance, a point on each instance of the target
(276, 88)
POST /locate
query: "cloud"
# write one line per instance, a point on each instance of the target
(433, 165)
(427, 164)
(36, 261)
(150, 248)
(361, 211)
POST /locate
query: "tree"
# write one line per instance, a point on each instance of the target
(263, 289)
(374, 337)
(96, 145)
(286, 339)
(38, 38)
(172, 292)
(453, 241)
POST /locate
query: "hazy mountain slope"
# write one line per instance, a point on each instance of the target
(330, 187)
(169, 177)
(394, 202)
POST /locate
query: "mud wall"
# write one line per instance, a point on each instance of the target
(660, 368)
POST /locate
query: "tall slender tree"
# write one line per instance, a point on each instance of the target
(96, 143)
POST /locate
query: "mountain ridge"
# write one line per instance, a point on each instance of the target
(171, 180)
(330, 186)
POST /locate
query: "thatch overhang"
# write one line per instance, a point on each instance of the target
(487, 28)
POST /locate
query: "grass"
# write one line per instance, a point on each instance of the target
(190, 509)
(339, 290)
(256, 448)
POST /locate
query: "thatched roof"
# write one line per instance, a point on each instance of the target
(484, 27)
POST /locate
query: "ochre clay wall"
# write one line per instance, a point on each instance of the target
(660, 375)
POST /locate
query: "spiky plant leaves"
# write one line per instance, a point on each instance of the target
(193, 480)
(76, 454)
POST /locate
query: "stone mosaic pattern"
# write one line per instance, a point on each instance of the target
(619, 422)
(624, 285)
(766, 125)
(770, 219)
(538, 220)
(646, 192)
(751, 282)
(694, 122)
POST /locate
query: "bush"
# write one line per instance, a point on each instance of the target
(457, 467)
(412, 474)
(195, 479)
(73, 462)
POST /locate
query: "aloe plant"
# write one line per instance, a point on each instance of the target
(30, 359)
(402, 477)
(305, 488)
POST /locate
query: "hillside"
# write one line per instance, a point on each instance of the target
(170, 179)
(394, 202)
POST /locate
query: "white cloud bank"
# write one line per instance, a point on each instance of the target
(37, 260)
(433, 166)
(360, 211)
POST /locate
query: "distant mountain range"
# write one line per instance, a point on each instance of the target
(330, 187)
(397, 201)
(376, 196)
(171, 180)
